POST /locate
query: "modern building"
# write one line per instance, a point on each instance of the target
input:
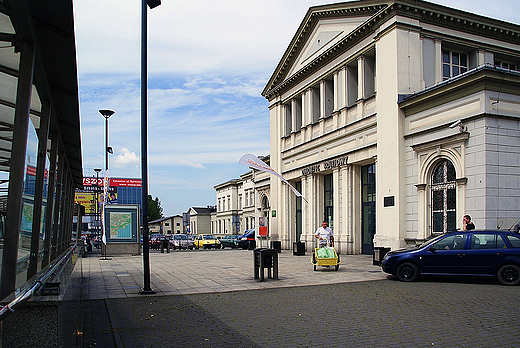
(40, 166)
(394, 119)
(90, 196)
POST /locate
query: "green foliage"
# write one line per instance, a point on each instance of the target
(155, 211)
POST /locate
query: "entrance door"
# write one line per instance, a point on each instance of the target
(368, 225)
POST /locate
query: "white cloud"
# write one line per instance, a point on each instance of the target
(126, 157)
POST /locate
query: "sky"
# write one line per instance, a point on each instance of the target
(208, 62)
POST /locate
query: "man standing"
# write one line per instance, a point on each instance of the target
(324, 234)
(467, 224)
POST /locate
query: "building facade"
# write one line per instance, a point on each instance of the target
(198, 220)
(167, 225)
(394, 119)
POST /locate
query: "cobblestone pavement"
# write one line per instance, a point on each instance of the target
(339, 310)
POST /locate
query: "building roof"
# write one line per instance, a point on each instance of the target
(202, 210)
(164, 218)
(370, 13)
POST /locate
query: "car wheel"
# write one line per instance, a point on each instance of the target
(509, 275)
(407, 272)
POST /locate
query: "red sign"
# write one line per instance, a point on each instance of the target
(125, 182)
(262, 231)
(113, 182)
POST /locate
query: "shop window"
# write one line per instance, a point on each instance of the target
(443, 196)
(328, 200)
(453, 64)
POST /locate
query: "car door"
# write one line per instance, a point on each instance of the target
(486, 251)
(446, 256)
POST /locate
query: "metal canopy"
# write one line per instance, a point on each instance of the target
(50, 25)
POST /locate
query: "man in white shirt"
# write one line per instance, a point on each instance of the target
(324, 234)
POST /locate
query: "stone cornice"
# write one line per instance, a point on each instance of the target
(380, 11)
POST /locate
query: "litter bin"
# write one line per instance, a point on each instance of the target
(276, 245)
(379, 254)
(251, 244)
(299, 248)
(265, 258)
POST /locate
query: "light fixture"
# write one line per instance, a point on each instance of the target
(106, 114)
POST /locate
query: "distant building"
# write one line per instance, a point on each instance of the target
(167, 225)
(199, 220)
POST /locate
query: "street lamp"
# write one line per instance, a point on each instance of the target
(106, 114)
(144, 141)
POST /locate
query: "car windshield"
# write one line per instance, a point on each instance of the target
(209, 236)
(430, 241)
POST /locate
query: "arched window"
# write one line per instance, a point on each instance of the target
(443, 194)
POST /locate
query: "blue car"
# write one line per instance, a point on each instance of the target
(247, 240)
(463, 253)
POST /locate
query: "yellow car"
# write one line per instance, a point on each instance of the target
(206, 241)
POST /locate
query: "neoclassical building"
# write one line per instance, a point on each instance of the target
(394, 119)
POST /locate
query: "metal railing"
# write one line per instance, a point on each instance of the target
(6, 310)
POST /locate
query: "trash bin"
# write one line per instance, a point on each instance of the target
(379, 254)
(251, 244)
(299, 248)
(276, 245)
(265, 258)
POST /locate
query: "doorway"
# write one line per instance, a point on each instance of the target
(368, 196)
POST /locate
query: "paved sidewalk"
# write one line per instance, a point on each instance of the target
(196, 305)
(204, 271)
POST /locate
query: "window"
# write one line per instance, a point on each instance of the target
(505, 65)
(515, 241)
(487, 241)
(443, 195)
(288, 119)
(453, 64)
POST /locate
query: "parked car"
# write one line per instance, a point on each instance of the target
(181, 241)
(463, 253)
(229, 241)
(245, 240)
(206, 241)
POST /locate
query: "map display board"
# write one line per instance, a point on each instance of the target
(122, 223)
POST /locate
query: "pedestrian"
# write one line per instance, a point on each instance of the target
(467, 224)
(324, 235)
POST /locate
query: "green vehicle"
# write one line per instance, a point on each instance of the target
(228, 241)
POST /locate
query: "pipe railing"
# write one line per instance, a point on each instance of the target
(9, 308)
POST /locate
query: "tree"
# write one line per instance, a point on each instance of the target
(154, 208)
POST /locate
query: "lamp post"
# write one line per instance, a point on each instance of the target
(144, 140)
(106, 114)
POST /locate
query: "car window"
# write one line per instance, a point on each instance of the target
(487, 241)
(209, 236)
(514, 240)
(453, 242)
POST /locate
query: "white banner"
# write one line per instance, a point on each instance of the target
(104, 199)
(256, 163)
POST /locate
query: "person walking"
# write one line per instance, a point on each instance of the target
(324, 235)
